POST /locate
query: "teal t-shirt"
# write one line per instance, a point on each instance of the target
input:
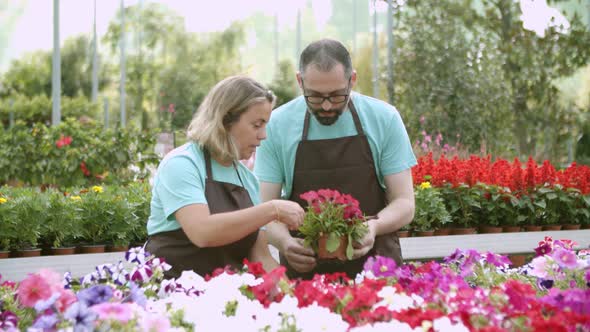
(383, 126)
(180, 181)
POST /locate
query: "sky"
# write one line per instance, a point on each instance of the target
(34, 29)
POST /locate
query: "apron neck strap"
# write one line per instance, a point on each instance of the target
(355, 118)
(210, 170)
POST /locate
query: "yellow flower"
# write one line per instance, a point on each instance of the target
(75, 198)
(97, 189)
(3, 200)
(425, 185)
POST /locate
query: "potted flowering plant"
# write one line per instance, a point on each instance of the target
(333, 221)
(431, 212)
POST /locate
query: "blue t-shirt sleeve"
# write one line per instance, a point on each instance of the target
(179, 184)
(397, 152)
(268, 167)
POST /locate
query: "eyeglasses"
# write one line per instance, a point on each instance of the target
(333, 99)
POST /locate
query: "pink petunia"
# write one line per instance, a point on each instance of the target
(33, 289)
(121, 312)
(155, 323)
(565, 258)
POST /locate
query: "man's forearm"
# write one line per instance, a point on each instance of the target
(394, 216)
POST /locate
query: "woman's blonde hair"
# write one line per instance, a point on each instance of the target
(221, 108)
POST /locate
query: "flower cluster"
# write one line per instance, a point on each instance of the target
(334, 216)
(468, 291)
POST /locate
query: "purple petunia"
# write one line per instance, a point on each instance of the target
(46, 322)
(95, 295)
(136, 255)
(82, 317)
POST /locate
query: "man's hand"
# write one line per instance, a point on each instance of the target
(362, 246)
(300, 258)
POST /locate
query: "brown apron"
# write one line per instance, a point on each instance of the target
(345, 164)
(178, 251)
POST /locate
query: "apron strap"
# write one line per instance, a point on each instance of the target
(210, 170)
(355, 118)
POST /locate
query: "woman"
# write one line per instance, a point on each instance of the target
(204, 209)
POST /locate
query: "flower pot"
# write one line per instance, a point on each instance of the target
(423, 233)
(92, 249)
(4, 254)
(118, 248)
(533, 228)
(403, 233)
(585, 226)
(511, 229)
(339, 253)
(462, 231)
(571, 227)
(63, 251)
(34, 252)
(486, 229)
(442, 231)
(551, 227)
(517, 260)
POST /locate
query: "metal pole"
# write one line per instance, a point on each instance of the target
(354, 28)
(106, 113)
(375, 53)
(11, 114)
(122, 66)
(276, 36)
(94, 60)
(56, 71)
(390, 81)
(298, 37)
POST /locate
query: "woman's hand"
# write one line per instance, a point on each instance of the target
(288, 212)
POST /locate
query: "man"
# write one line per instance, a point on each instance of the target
(333, 138)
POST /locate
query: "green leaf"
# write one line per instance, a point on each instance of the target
(349, 249)
(333, 242)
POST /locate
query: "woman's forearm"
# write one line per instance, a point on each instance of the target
(213, 230)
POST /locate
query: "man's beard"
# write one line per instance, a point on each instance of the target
(327, 120)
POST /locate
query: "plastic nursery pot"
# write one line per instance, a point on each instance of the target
(117, 248)
(339, 253)
(423, 233)
(402, 233)
(92, 249)
(571, 227)
(511, 229)
(463, 231)
(4, 254)
(533, 228)
(63, 251)
(551, 227)
(489, 229)
(28, 252)
(442, 231)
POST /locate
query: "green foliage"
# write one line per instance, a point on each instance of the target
(35, 109)
(97, 215)
(561, 205)
(431, 212)
(462, 202)
(284, 84)
(30, 76)
(32, 155)
(499, 207)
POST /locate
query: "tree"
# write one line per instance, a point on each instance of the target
(284, 84)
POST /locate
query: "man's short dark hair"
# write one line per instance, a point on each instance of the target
(325, 54)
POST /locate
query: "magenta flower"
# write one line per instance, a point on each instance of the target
(8, 320)
(121, 312)
(565, 258)
(543, 249)
(380, 266)
(497, 260)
